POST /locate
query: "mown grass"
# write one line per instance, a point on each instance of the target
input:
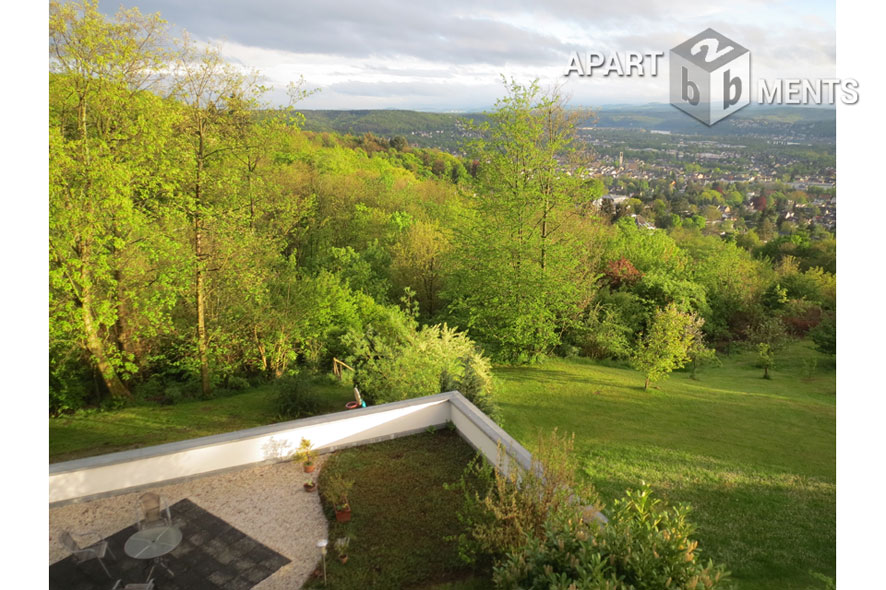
(94, 433)
(400, 515)
(755, 458)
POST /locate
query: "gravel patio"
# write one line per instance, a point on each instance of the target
(250, 528)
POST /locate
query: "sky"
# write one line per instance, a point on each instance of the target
(451, 54)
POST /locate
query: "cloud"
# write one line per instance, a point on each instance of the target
(366, 50)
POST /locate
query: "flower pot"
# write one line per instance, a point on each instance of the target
(309, 467)
(343, 559)
(310, 487)
(343, 515)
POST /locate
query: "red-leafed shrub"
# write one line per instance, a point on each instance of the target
(622, 272)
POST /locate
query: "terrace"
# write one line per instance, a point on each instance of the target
(246, 522)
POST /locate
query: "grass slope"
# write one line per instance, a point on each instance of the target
(755, 458)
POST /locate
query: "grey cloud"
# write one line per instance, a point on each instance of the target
(358, 29)
(460, 31)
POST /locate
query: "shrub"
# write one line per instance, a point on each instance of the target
(824, 335)
(644, 546)
(413, 367)
(236, 383)
(799, 316)
(475, 383)
(173, 393)
(604, 333)
(621, 272)
(502, 511)
(294, 398)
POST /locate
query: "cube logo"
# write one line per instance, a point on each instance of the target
(710, 76)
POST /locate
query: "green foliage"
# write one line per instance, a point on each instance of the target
(667, 343)
(517, 229)
(644, 546)
(769, 337)
(294, 398)
(475, 383)
(824, 335)
(414, 362)
(503, 510)
(336, 489)
(305, 453)
(237, 383)
(607, 330)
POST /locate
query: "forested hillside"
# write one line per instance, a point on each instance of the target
(200, 245)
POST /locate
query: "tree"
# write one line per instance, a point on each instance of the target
(666, 344)
(107, 179)
(399, 143)
(215, 96)
(522, 228)
(417, 262)
(770, 337)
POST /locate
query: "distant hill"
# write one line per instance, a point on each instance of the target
(446, 130)
(440, 130)
(764, 120)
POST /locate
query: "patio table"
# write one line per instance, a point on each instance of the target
(153, 543)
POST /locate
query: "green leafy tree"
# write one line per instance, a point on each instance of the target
(107, 184)
(517, 228)
(666, 344)
(216, 98)
(770, 337)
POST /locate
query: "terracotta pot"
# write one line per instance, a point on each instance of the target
(343, 515)
(343, 558)
(309, 487)
(309, 467)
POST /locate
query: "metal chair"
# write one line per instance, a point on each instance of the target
(149, 585)
(96, 550)
(152, 511)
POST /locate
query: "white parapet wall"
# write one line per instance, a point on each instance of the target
(115, 473)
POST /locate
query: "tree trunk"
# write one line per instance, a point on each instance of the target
(202, 344)
(199, 254)
(97, 348)
(646, 387)
(261, 351)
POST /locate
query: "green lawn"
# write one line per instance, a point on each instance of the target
(400, 515)
(95, 433)
(755, 458)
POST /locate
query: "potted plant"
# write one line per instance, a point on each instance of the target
(306, 455)
(341, 548)
(336, 491)
(310, 485)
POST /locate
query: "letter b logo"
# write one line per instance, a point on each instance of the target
(690, 97)
(710, 76)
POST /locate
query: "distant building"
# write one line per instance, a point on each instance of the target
(616, 199)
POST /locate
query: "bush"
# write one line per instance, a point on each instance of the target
(294, 398)
(502, 512)
(644, 546)
(236, 383)
(475, 383)
(799, 316)
(419, 364)
(824, 335)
